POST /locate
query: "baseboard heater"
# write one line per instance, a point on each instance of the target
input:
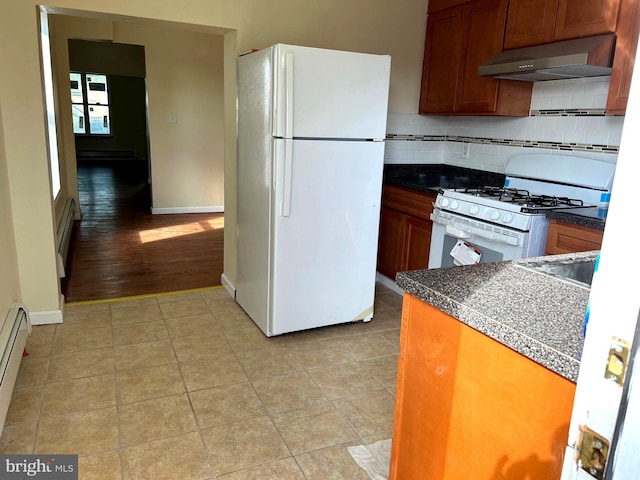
(13, 338)
(65, 226)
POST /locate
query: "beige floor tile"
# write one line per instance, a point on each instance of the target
(344, 380)
(87, 316)
(321, 354)
(154, 419)
(392, 336)
(40, 344)
(43, 330)
(389, 299)
(77, 339)
(205, 325)
(384, 369)
(101, 466)
(366, 345)
(132, 302)
(332, 463)
(80, 433)
(267, 363)
(369, 414)
(286, 469)
(231, 319)
(249, 339)
(314, 427)
(33, 371)
(135, 314)
(229, 403)
(170, 458)
(145, 383)
(80, 394)
(288, 392)
(217, 295)
(25, 405)
(196, 347)
(18, 439)
(81, 364)
(386, 320)
(212, 372)
(240, 445)
(139, 332)
(184, 308)
(181, 296)
(148, 311)
(148, 354)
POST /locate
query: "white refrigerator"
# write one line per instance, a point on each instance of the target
(311, 129)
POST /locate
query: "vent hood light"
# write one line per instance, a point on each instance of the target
(579, 58)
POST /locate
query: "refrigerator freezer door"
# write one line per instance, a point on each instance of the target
(324, 251)
(329, 93)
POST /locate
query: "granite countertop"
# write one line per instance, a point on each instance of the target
(538, 316)
(430, 178)
(587, 217)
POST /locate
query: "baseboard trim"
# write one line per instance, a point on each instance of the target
(228, 285)
(387, 282)
(45, 317)
(168, 210)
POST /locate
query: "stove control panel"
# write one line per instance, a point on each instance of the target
(501, 216)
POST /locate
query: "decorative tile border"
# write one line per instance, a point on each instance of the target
(570, 112)
(576, 147)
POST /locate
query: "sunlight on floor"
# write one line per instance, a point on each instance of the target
(173, 231)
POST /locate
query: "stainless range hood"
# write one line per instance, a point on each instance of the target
(582, 57)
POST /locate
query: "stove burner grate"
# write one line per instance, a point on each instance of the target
(523, 198)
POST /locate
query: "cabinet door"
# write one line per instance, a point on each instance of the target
(391, 242)
(626, 46)
(581, 18)
(417, 243)
(566, 238)
(484, 20)
(442, 59)
(530, 22)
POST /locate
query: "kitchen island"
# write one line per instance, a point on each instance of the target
(489, 357)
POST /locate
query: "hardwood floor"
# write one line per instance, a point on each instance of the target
(120, 249)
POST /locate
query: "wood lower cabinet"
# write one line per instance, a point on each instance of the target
(568, 238)
(469, 407)
(458, 41)
(405, 230)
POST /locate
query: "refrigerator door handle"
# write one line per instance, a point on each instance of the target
(288, 165)
(288, 119)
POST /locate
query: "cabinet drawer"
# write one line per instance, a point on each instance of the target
(566, 238)
(412, 203)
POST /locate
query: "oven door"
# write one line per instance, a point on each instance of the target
(448, 228)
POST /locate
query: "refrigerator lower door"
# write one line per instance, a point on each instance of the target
(325, 217)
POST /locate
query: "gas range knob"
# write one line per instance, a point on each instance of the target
(445, 202)
(474, 210)
(508, 217)
(495, 215)
(454, 204)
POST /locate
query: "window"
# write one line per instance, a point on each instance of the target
(90, 100)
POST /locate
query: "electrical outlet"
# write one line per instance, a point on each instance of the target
(465, 150)
(592, 452)
(173, 117)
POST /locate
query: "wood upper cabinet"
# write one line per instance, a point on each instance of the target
(568, 238)
(581, 18)
(458, 41)
(468, 407)
(405, 230)
(534, 22)
(435, 5)
(626, 47)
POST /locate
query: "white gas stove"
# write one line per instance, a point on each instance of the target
(505, 223)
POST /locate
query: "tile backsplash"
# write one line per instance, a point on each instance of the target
(567, 118)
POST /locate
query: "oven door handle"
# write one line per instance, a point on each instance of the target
(456, 232)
